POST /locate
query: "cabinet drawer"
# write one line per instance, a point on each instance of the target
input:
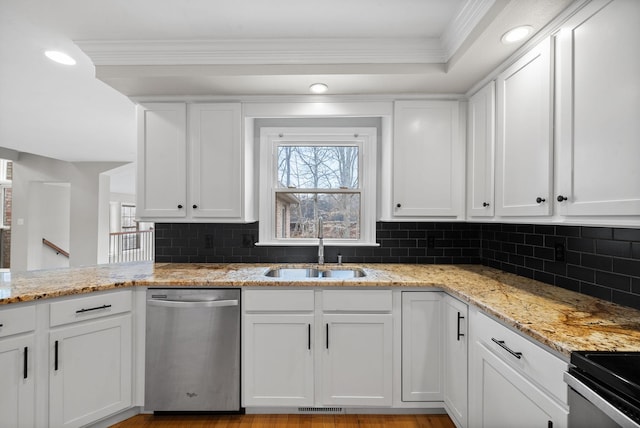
(15, 320)
(536, 363)
(357, 300)
(277, 300)
(90, 307)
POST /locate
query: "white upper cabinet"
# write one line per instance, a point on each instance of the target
(481, 152)
(428, 160)
(524, 135)
(598, 121)
(215, 160)
(162, 167)
(194, 179)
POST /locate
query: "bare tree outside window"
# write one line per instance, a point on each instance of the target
(322, 182)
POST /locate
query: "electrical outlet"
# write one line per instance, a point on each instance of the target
(208, 241)
(558, 252)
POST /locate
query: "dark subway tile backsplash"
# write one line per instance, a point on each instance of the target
(406, 242)
(600, 261)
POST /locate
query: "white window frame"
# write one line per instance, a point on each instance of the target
(364, 138)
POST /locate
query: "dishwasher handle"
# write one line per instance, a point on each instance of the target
(188, 304)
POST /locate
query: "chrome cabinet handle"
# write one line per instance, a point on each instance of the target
(500, 343)
(192, 304)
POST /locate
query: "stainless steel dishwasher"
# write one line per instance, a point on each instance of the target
(192, 350)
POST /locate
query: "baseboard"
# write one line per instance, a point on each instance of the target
(336, 410)
(114, 419)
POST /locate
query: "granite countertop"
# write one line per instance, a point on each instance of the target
(563, 320)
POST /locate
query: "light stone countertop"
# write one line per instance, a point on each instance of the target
(563, 320)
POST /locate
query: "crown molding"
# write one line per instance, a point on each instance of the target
(461, 26)
(280, 99)
(268, 51)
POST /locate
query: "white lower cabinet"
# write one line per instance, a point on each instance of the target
(298, 351)
(90, 365)
(17, 374)
(357, 359)
(17, 387)
(278, 362)
(514, 382)
(422, 375)
(455, 360)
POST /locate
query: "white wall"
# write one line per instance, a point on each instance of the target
(52, 199)
(88, 209)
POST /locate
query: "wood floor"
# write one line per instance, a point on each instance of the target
(287, 421)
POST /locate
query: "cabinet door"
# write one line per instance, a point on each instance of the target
(480, 152)
(17, 387)
(90, 371)
(215, 161)
(599, 107)
(278, 360)
(455, 358)
(524, 135)
(508, 399)
(356, 359)
(422, 374)
(428, 159)
(161, 188)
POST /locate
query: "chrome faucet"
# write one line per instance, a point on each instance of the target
(320, 243)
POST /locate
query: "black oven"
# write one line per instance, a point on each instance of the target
(604, 389)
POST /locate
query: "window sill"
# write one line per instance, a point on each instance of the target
(314, 243)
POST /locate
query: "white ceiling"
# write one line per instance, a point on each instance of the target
(233, 48)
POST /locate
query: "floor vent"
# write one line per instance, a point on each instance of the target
(332, 410)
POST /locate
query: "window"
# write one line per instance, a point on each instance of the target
(308, 174)
(6, 174)
(128, 223)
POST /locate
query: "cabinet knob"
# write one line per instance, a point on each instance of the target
(179, 206)
(398, 205)
(561, 198)
(540, 200)
(195, 206)
(485, 204)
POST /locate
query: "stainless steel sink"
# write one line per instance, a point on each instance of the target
(343, 273)
(303, 273)
(292, 273)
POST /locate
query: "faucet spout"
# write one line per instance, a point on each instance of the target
(320, 243)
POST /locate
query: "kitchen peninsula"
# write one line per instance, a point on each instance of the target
(425, 329)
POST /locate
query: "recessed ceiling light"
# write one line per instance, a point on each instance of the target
(318, 88)
(516, 34)
(60, 57)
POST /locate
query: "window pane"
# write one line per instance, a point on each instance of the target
(297, 215)
(318, 167)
